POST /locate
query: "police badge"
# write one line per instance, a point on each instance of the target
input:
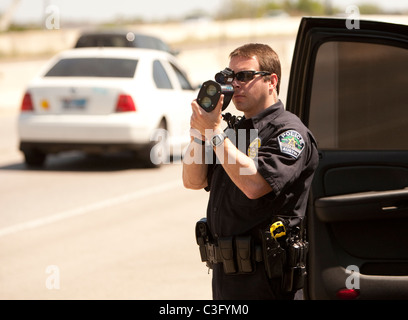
(291, 143)
(253, 148)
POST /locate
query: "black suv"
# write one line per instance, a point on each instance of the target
(120, 38)
(349, 86)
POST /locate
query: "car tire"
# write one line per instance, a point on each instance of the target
(34, 158)
(158, 151)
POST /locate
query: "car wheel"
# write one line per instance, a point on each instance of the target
(34, 158)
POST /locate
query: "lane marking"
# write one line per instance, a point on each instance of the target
(89, 208)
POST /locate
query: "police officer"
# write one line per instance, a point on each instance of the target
(268, 175)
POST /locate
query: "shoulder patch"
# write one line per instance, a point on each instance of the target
(291, 142)
(253, 148)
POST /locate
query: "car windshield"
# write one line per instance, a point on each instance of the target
(93, 67)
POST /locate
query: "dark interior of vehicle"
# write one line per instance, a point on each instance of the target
(358, 215)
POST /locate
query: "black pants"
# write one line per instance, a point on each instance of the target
(254, 286)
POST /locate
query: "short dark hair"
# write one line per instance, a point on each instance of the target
(268, 59)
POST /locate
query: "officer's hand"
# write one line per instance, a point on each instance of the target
(207, 123)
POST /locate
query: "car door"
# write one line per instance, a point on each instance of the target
(177, 105)
(349, 86)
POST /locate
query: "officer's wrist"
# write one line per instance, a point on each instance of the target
(196, 136)
(209, 134)
(218, 139)
(198, 141)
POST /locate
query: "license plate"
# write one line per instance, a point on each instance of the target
(74, 104)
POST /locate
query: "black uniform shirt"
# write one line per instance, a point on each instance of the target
(286, 156)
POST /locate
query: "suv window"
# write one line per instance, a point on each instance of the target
(101, 40)
(160, 76)
(93, 67)
(351, 106)
(122, 39)
(143, 41)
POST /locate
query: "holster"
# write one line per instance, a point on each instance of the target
(274, 255)
(285, 258)
(205, 242)
(295, 273)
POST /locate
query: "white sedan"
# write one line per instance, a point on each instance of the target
(107, 99)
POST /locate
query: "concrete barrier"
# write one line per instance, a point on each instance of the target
(40, 42)
(46, 42)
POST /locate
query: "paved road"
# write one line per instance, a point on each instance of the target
(96, 228)
(99, 229)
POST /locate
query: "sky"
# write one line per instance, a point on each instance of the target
(99, 11)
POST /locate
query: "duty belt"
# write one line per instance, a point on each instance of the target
(237, 254)
(283, 252)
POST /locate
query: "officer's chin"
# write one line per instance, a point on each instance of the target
(240, 105)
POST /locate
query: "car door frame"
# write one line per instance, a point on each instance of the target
(176, 106)
(326, 277)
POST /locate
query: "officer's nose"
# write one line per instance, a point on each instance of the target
(235, 83)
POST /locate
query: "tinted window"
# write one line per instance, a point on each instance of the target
(93, 67)
(129, 39)
(160, 76)
(143, 41)
(359, 96)
(184, 83)
(107, 40)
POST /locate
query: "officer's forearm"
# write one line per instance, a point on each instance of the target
(194, 167)
(242, 170)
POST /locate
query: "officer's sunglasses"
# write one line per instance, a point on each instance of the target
(245, 76)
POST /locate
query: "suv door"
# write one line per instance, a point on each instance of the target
(349, 86)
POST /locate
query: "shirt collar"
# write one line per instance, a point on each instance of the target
(267, 115)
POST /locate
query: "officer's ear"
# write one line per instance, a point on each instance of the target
(273, 82)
